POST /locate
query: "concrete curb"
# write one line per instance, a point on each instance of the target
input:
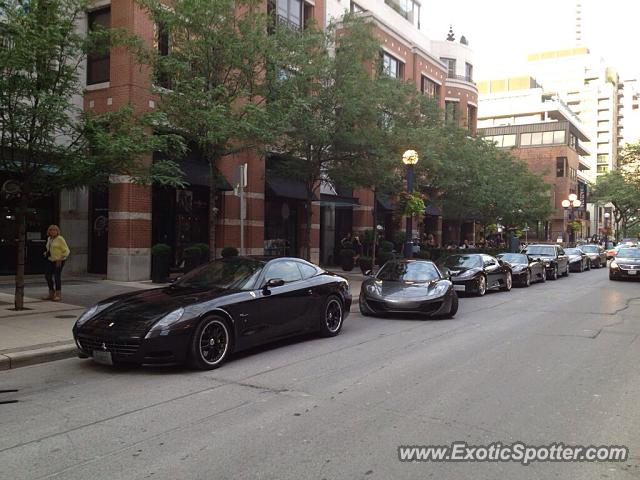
(36, 355)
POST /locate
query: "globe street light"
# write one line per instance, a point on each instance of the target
(572, 202)
(409, 158)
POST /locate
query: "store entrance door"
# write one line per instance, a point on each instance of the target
(99, 228)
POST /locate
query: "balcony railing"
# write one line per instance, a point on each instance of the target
(286, 22)
(462, 78)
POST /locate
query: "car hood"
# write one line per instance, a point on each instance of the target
(138, 311)
(627, 261)
(397, 291)
(575, 258)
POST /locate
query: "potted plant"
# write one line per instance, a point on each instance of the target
(191, 256)
(386, 252)
(160, 255)
(365, 264)
(347, 254)
(204, 252)
(228, 252)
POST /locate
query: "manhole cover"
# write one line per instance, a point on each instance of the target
(65, 316)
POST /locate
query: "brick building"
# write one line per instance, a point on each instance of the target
(541, 130)
(111, 232)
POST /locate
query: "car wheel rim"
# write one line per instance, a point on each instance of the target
(333, 315)
(214, 342)
(544, 274)
(509, 281)
(528, 282)
(482, 286)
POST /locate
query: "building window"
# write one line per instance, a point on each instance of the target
(451, 66)
(560, 166)
(602, 169)
(392, 66)
(573, 141)
(430, 88)
(287, 13)
(558, 137)
(472, 118)
(603, 158)
(536, 138)
(468, 72)
(525, 139)
(408, 9)
(547, 138)
(451, 113)
(98, 63)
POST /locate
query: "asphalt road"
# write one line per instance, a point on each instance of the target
(553, 363)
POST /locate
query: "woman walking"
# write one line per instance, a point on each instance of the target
(56, 252)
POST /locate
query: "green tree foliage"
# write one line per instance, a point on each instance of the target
(210, 77)
(47, 142)
(621, 188)
(320, 102)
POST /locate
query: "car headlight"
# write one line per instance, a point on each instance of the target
(90, 312)
(468, 273)
(441, 289)
(614, 264)
(161, 327)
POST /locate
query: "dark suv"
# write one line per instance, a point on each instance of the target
(555, 260)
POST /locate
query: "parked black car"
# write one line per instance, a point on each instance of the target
(555, 260)
(524, 269)
(597, 255)
(476, 273)
(626, 264)
(578, 260)
(212, 311)
(408, 286)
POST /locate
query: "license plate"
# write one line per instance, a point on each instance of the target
(459, 288)
(102, 357)
(632, 272)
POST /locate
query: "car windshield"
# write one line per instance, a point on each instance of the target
(541, 250)
(589, 249)
(462, 261)
(408, 272)
(235, 273)
(515, 258)
(572, 251)
(629, 253)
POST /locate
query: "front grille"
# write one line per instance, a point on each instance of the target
(629, 267)
(121, 348)
(377, 305)
(430, 307)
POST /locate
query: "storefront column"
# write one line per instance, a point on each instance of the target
(129, 257)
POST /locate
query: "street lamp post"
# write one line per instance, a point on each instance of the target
(607, 215)
(572, 202)
(409, 158)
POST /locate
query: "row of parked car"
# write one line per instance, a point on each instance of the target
(399, 287)
(239, 303)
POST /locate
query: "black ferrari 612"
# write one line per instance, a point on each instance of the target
(225, 306)
(524, 270)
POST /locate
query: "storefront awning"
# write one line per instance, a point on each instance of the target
(338, 200)
(385, 202)
(197, 173)
(287, 188)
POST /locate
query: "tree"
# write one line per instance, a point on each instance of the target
(622, 189)
(46, 142)
(210, 76)
(320, 100)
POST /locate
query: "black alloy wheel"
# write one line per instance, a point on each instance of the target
(543, 275)
(454, 306)
(527, 280)
(508, 282)
(554, 275)
(332, 317)
(566, 271)
(481, 289)
(210, 344)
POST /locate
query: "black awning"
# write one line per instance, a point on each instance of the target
(197, 173)
(433, 210)
(287, 188)
(385, 201)
(338, 200)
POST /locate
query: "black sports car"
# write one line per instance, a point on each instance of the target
(225, 306)
(555, 260)
(476, 273)
(408, 286)
(596, 254)
(578, 260)
(524, 269)
(626, 264)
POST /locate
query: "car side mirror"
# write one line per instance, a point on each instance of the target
(274, 282)
(368, 273)
(446, 273)
(500, 262)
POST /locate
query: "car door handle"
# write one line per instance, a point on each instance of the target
(310, 292)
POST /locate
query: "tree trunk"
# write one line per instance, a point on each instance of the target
(374, 212)
(21, 217)
(213, 212)
(307, 228)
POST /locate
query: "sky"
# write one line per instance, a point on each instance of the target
(502, 32)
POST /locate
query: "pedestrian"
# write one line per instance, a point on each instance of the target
(346, 240)
(357, 247)
(56, 252)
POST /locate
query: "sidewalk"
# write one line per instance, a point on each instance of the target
(42, 333)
